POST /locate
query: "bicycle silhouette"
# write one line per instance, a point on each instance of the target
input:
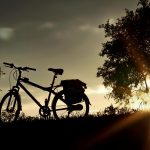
(61, 106)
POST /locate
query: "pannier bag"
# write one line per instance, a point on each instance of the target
(73, 90)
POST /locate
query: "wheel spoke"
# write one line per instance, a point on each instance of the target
(9, 108)
(61, 109)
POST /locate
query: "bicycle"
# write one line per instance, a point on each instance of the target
(11, 106)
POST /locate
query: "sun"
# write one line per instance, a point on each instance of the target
(141, 101)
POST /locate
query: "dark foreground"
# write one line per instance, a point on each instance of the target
(118, 132)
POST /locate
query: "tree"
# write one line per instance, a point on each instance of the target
(111, 110)
(127, 51)
(1, 73)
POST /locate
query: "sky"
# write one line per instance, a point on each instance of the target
(59, 34)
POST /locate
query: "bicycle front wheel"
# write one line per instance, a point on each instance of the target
(62, 110)
(10, 107)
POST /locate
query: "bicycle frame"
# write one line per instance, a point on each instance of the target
(48, 89)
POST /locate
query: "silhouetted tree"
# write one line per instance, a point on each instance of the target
(1, 73)
(111, 110)
(127, 52)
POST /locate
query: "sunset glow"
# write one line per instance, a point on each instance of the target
(57, 34)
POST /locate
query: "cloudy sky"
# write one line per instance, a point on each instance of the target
(60, 34)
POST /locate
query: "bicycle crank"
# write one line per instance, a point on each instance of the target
(44, 111)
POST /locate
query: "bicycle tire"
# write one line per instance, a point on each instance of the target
(60, 98)
(10, 114)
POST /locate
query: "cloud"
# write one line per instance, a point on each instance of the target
(85, 27)
(98, 90)
(46, 26)
(6, 33)
(88, 28)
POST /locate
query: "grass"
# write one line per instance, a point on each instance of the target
(123, 131)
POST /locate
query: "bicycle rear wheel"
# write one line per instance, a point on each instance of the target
(62, 110)
(10, 107)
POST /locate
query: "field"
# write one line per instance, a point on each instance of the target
(119, 132)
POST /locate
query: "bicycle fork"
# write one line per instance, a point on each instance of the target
(13, 100)
(10, 102)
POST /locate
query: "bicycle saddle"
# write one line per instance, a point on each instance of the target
(56, 71)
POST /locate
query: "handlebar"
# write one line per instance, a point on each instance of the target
(28, 68)
(8, 64)
(11, 65)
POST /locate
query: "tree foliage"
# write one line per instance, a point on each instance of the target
(127, 53)
(111, 110)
